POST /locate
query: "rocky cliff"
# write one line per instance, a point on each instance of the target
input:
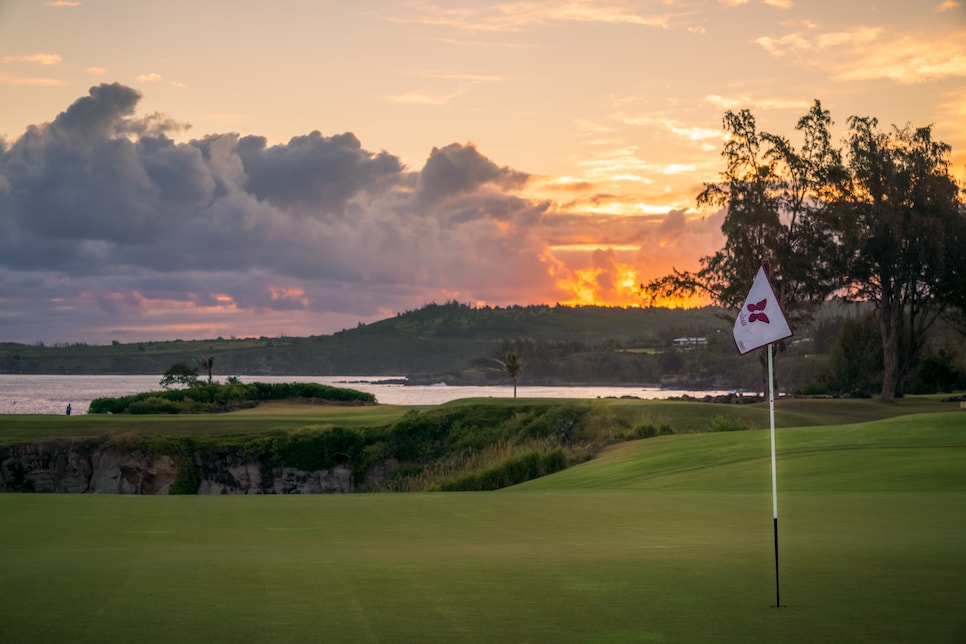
(108, 468)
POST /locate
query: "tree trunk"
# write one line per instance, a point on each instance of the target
(889, 326)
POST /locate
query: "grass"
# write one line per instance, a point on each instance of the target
(266, 417)
(917, 452)
(683, 416)
(662, 540)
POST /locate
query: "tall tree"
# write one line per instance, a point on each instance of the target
(901, 230)
(179, 374)
(887, 226)
(208, 363)
(513, 367)
(772, 194)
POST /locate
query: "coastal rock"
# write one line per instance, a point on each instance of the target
(45, 467)
(290, 480)
(110, 468)
(119, 471)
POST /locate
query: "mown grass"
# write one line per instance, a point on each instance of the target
(684, 417)
(267, 417)
(916, 452)
(662, 540)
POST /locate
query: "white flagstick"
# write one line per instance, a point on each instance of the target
(761, 322)
(774, 471)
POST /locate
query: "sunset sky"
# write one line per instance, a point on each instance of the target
(211, 168)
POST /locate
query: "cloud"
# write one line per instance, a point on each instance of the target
(110, 228)
(519, 16)
(96, 71)
(690, 132)
(42, 59)
(125, 229)
(62, 3)
(317, 173)
(459, 169)
(869, 53)
(425, 96)
(149, 78)
(6, 79)
(741, 102)
(442, 96)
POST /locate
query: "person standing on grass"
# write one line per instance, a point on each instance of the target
(68, 409)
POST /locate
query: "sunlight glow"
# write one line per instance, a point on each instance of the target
(590, 247)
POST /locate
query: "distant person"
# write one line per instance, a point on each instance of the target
(68, 409)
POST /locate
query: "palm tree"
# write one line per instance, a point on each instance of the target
(208, 363)
(513, 367)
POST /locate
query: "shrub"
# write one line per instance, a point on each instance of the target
(204, 398)
(516, 469)
(181, 450)
(648, 430)
(726, 424)
(153, 405)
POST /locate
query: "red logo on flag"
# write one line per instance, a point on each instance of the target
(758, 312)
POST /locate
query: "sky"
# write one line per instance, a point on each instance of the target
(235, 169)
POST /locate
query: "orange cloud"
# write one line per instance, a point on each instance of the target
(867, 53)
(20, 80)
(41, 59)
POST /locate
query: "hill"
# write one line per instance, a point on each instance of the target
(452, 342)
(560, 345)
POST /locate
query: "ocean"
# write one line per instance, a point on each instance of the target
(47, 394)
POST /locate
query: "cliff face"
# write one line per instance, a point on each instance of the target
(67, 467)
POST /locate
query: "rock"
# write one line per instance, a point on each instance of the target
(120, 471)
(58, 466)
(111, 468)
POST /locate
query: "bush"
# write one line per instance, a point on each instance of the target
(154, 405)
(208, 398)
(317, 449)
(648, 430)
(726, 424)
(182, 451)
(516, 469)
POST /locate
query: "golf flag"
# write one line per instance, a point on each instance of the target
(762, 320)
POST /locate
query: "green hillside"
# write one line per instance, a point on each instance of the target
(455, 341)
(559, 345)
(910, 453)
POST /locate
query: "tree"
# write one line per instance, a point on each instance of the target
(901, 230)
(772, 194)
(513, 367)
(208, 363)
(179, 374)
(885, 227)
(855, 361)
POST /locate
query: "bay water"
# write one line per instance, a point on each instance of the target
(50, 394)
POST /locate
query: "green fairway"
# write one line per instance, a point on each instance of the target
(266, 417)
(662, 540)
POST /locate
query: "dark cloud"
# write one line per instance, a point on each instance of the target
(457, 169)
(314, 172)
(82, 177)
(673, 225)
(105, 218)
(100, 114)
